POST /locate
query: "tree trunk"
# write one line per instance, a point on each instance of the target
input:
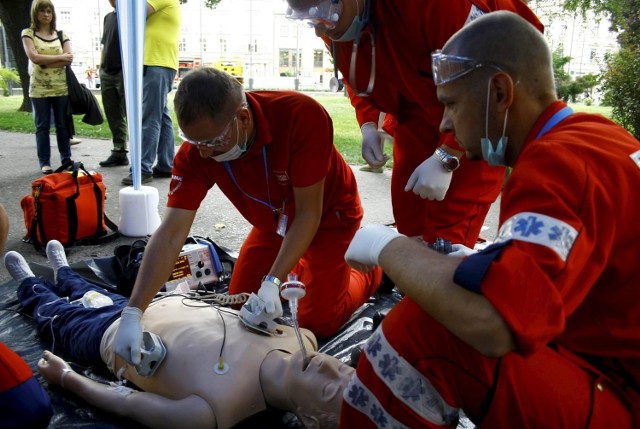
(16, 16)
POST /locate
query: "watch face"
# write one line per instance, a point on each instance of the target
(451, 163)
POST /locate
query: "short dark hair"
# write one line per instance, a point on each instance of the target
(207, 91)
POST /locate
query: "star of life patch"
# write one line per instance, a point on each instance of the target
(636, 158)
(539, 229)
(406, 383)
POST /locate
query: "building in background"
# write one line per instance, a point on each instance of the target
(253, 40)
(586, 39)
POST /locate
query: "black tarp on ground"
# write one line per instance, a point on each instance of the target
(19, 332)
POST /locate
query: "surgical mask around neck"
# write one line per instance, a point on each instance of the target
(236, 151)
(354, 29)
(494, 154)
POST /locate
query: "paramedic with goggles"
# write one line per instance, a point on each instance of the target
(203, 368)
(382, 49)
(272, 155)
(540, 329)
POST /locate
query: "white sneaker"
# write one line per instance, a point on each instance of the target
(56, 256)
(74, 141)
(17, 266)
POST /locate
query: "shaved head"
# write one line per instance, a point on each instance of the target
(509, 41)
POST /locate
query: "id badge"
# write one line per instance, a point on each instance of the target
(281, 229)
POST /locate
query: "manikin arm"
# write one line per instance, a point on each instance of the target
(147, 408)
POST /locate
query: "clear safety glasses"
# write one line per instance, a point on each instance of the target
(221, 140)
(450, 67)
(324, 13)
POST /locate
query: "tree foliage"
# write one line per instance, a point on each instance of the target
(14, 15)
(6, 76)
(622, 77)
(620, 85)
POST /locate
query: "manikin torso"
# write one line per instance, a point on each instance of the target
(193, 338)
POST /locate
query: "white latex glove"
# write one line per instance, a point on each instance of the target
(372, 145)
(367, 244)
(269, 292)
(460, 250)
(430, 179)
(128, 339)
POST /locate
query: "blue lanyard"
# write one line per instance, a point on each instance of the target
(266, 173)
(554, 120)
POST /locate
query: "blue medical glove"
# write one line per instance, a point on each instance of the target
(128, 339)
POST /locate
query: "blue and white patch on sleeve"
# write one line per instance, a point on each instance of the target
(539, 229)
(474, 13)
(635, 157)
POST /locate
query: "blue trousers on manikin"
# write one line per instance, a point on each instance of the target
(68, 328)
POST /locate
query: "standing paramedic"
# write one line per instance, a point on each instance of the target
(395, 77)
(542, 328)
(272, 155)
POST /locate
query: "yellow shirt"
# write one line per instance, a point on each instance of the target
(49, 81)
(162, 34)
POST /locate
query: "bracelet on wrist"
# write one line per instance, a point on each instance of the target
(65, 371)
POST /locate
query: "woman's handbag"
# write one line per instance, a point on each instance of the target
(81, 99)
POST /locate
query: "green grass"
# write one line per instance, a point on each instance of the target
(346, 129)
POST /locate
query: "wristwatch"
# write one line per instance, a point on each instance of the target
(449, 162)
(273, 279)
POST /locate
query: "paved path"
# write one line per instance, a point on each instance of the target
(217, 218)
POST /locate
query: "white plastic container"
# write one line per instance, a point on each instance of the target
(138, 211)
(94, 299)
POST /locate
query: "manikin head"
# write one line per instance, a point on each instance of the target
(331, 18)
(491, 86)
(213, 113)
(315, 391)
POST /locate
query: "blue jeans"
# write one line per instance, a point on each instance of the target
(69, 329)
(42, 108)
(157, 127)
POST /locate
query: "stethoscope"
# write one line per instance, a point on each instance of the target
(335, 83)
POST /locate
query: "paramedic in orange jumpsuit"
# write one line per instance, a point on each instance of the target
(272, 154)
(542, 328)
(428, 200)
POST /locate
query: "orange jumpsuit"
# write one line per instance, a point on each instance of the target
(406, 32)
(293, 147)
(563, 275)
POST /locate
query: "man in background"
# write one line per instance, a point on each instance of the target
(160, 66)
(112, 89)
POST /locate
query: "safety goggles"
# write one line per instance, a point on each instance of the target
(324, 13)
(447, 68)
(221, 140)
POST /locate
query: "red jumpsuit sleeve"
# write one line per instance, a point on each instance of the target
(535, 287)
(311, 143)
(365, 112)
(190, 181)
(23, 401)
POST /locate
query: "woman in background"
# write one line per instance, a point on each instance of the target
(48, 84)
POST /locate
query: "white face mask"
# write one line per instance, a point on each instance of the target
(236, 151)
(494, 154)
